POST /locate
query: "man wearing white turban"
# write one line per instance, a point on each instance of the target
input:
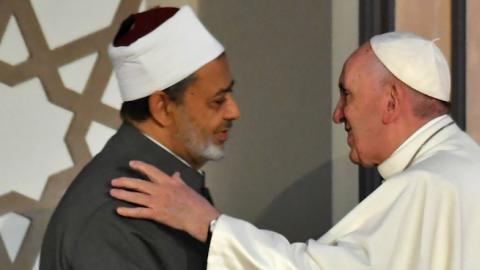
(394, 100)
(178, 109)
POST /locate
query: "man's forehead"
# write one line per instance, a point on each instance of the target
(209, 87)
(363, 53)
(361, 60)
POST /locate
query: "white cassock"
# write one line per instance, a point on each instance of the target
(426, 215)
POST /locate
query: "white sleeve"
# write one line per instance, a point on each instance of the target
(404, 224)
(237, 244)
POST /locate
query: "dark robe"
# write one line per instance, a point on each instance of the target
(85, 233)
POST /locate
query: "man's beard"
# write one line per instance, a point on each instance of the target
(190, 134)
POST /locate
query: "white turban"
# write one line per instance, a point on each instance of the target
(170, 53)
(417, 62)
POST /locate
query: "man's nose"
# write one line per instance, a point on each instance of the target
(232, 111)
(338, 115)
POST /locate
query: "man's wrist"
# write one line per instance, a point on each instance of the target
(199, 227)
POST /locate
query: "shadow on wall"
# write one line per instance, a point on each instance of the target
(303, 210)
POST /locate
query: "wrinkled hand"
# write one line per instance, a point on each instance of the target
(165, 199)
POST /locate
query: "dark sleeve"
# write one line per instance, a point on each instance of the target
(109, 241)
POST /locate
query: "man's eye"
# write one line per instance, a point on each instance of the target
(219, 101)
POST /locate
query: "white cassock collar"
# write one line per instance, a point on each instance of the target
(407, 151)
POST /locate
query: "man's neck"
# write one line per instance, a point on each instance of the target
(164, 137)
(407, 129)
(401, 132)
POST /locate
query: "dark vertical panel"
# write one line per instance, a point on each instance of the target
(376, 17)
(459, 22)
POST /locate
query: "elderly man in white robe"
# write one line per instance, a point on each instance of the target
(394, 103)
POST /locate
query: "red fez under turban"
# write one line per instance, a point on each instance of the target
(140, 24)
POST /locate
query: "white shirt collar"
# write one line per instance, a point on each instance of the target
(172, 153)
(400, 158)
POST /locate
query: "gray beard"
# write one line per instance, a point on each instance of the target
(207, 150)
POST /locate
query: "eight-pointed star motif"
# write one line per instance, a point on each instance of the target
(32, 145)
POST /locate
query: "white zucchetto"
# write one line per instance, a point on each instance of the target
(416, 61)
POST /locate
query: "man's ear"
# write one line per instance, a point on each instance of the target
(395, 95)
(160, 107)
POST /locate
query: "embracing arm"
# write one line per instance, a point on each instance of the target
(235, 244)
(386, 231)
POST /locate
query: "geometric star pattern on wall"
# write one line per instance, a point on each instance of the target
(111, 96)
(13, 228)
(34, 47)
(12, 47)
(78, 18)
(75, 75)
(97, 136)
(53, 54)
(32, 133)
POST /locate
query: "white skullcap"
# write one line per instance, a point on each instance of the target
(170, 53)
(417, 62)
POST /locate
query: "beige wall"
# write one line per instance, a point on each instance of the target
(428, 18)
(344, 173)
(473, 69)
(432, 19)
(176, 3)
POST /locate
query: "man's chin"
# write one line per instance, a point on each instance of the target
(213, 152)
(356, 160)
